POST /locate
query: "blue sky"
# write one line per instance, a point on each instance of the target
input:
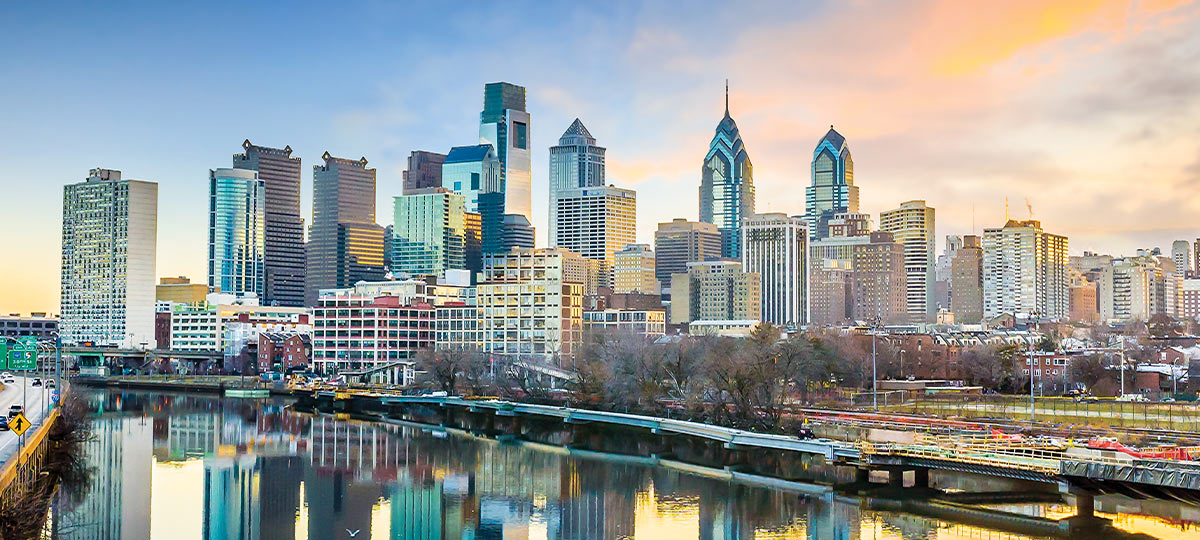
(1043, 106)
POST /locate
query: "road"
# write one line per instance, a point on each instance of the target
(35, 399)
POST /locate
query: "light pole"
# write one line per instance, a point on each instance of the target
(874, 368)
(902, 377)
(1122, 366)
(1031, 371)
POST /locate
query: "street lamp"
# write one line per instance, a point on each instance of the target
(902, 377)
(1034, 316)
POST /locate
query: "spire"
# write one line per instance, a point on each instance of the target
(727, 97)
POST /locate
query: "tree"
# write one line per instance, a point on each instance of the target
(444, 367)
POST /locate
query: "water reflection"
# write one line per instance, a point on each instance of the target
(188, 467)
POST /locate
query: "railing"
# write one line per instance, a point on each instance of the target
(1099, 411)
(23, 468)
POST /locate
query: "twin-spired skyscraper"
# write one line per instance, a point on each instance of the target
(832, 190)
(727, 184)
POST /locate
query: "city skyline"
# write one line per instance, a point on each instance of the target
(983, 105)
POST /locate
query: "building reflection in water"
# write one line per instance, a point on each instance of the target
(272, 474)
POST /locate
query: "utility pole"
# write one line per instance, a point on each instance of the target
(1122, 365)
(1031, 412)
(874, 372)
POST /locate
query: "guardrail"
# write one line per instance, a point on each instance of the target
(23, 467)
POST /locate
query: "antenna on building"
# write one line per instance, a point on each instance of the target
(1029, 206)
(727, 97)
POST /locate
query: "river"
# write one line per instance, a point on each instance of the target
(178, 467)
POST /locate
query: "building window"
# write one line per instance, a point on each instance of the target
(519, 140)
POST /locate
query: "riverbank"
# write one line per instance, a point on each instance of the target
(211, 384)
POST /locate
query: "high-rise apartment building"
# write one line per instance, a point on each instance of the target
(831, 265)
(832, 191)
(912, 226)
(681, 242)
(576, 162)
(634, 270)
(596, 222)
(283, 235)
(237, 215)
(504, 124)
(109, 243)
(966, 281)
(774, 246)
(878, 280)
(1181, 253)
(345, 244)
(429, 233)
(727, 184)
(715, 291)
(1138, 288)
(1025, 271)
(531, 302)
(942, 272)
(424, 171)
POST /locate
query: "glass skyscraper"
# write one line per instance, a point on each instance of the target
(832, 191)
(727, 184)
(504, 124)
(429, 233)
(576, 162)
(283, 255)
(237, 219)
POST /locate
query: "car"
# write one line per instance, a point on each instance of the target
(1132, 397)
(15, 410)
(4, 424)
(49, 384)
(36, 382)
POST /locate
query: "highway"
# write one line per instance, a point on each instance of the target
(36, 398)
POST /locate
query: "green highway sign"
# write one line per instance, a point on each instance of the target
(23, 354)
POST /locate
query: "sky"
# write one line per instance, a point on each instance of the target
(1085, 114)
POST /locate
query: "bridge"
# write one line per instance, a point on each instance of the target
(1082, 473)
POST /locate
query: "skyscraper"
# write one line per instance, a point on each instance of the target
(504, 124)
(1025, 271)
(283, 240)
(774, 246)
(727, 184)
(345, 244)
(596, 222)
(715, 291)
(878, 280)
(966, 281)
(472, 171)
(633, 270)
(912, 225)
(832, 191)
(429, 233)
(680, 242)
(576, 162)
(236, 231)
(109, 242)
(424, 170)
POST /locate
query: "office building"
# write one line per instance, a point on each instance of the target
(504, 124)
(1181, 253)
(681, 242)
(727, 184)
(715, 291)
(109, 242)
(429, 233)
(878, 280)
(179, 290)
(966, 281)
(1189, 299)
(531, 303)
(596, 222)
(634, 270)
(576, 162)
(345, 244)
(472, 171)
(283, 234)
(373, 328)
(236, 231)
(942, 270)
(1025, 271)
(775, 247)
(424, 171)
(912, 226)
(516, 232)
(831, 265)
(36, 324)
(207, 326)
(832, 191)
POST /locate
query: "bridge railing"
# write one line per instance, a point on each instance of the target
(1098, 411)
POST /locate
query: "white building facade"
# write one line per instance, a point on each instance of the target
(775, 246)
(912, 224)
(1025, 271)
(109, 246)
